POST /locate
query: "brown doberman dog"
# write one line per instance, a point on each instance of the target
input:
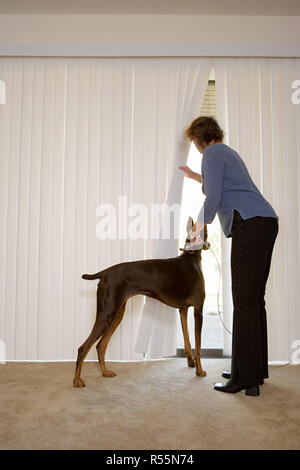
(177, 282)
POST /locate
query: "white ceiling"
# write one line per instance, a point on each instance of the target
(153, 7)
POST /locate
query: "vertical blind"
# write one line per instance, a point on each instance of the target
(262, 122)
(76, 133)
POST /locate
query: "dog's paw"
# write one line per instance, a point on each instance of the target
(191, 362)
(78, 383)
(201, 373)
(109, 373)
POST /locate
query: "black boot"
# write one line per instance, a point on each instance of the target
(232, 387)
(227, 375)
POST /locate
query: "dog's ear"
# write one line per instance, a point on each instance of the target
(207, 244)
(189, 224)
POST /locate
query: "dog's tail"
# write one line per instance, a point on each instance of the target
(93, 276)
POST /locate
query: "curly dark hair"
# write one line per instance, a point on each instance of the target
(204, 129)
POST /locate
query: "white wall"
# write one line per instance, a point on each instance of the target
(149, 35)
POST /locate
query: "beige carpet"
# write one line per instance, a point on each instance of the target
(148, 405)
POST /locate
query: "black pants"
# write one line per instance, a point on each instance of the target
(251, 252)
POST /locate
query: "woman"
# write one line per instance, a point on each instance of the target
(250, 220)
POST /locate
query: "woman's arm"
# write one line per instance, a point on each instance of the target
(191, 174)
(213, 168)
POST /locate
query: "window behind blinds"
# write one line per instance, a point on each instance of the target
(209, 101)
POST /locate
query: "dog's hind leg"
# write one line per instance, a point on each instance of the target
(98, 329)
(198, 329)
(102, 345)
(187, 345)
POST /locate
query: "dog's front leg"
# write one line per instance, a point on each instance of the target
(187, 345)
(198, 329)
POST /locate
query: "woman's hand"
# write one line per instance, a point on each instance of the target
(190, 173)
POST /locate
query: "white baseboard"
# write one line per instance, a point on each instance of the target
(86, 360)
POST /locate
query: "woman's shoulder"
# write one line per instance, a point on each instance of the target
(217, 148)
(218, 152)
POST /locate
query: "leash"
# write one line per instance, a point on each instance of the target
(218, 295)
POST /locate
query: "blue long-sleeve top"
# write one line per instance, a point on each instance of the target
(227, 185)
